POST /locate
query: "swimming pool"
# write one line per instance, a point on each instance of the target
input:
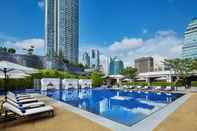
(125, 107)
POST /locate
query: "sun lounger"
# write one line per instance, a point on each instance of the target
(24, 100)
(158, 88)
(27, 112)
(27, 105)
(168, 88)
(19, 96)
(139, 87)
(146, 88)
(131, 87)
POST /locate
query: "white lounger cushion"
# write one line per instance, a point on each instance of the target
(168, 88)
(21, 100)
(19, 96)
(27, 112)
(28, 105)
(158, 88)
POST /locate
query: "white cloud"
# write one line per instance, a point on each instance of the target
(164, 44)
(20, 44)
(126, 44)
(41, 4)
(37, 43)
(176, 49)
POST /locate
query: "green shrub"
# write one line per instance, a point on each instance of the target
(194, 83)
(96, 78)
(151, 84)
(162, 84)
(138, 83)
(179, 83)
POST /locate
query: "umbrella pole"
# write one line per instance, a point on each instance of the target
(5, 88)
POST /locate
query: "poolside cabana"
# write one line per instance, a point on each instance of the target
(114, 79)
(85, 83)
(70, 83)
(50, 83)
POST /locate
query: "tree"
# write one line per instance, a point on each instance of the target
(129, 72)
(29, 50)
(182, 68)
(11, 50)
(96, 78)
(194, 65)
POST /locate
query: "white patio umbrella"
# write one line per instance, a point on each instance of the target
(13, 70)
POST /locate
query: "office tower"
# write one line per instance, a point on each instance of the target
(86, 59)
(144, 64)
(190, 41)
(116, 66)
(105, 62)
(62, 29)
(94, 59)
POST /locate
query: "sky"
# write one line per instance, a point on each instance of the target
(125, 28)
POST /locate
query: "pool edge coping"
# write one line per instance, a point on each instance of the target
(147, 124)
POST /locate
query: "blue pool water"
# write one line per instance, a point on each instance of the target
(124, 107)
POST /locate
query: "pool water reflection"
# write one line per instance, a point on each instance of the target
(125, 107)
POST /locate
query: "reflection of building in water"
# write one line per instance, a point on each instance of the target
(69, 95)
(83, 105)
(70, 83)
(85, 94)
(104, 105)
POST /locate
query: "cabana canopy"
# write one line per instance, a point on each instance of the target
(13, 70)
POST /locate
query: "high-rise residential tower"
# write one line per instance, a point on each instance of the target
(86, 59)
(190, 41)
(94, 59)
(62, 29)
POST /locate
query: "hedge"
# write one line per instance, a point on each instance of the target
(13, 84)
(151, 84)
(194, 83)
(138, 83)
(27, 83)
(162, 84)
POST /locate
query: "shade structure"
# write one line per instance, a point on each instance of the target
(13, 70)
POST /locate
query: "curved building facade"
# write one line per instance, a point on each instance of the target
(190, 41)
(116, 66)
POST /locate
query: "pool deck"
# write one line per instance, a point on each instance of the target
(63, 120)
(180, 115)
(183, 119)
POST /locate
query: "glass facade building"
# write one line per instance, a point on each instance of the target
(144, 64)
(62, 29)
(86, 59)
(94, 59)
(116, 66)
(190, 41)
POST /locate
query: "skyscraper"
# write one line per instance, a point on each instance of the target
(144, 64)
(86, 59)
(116, 66)
(94, 59)
(190, 41)
(62, 29)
